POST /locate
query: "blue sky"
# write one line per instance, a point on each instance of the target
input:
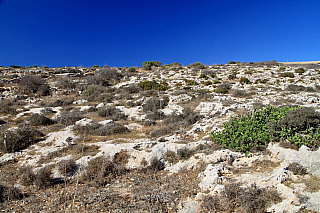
(126, 33)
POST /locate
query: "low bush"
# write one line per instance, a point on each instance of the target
(293, 87)
(43, 178)
(185, 153)
(253, 132)
(19, 139)
(39, 120)
(297, 169)
(100, 170)
(108, 76)
(234, 198)
(286, 74)
(300, 70)
(66, 84)
(163, 131)
(31, 84)
(112, 113)
(6, 107)
(239, 93)
(131, 89)
(156, 164)
(70, 118)
(9, 193)
(27, 175)
(121, 158)
(101, 130)
(154, 104)
(152, 85)
(66, 167)
(171, 157)
(244, 80)
(197, 66)
(223, 88)
(248, 132)
(211, 73)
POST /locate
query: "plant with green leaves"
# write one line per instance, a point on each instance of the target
(247, 133)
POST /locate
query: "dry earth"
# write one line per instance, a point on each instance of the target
(136, 158)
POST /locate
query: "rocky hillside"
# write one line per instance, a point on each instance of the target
(171, 138)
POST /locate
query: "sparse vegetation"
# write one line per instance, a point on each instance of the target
(169, 112)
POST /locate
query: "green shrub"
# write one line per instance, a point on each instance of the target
(95, 66)
(174, 64)
(249, 132)
(19, 139)
(253, 132)
(151, 63)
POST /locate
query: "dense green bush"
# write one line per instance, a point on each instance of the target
(253, 132)
(19, 139)
(151, 63)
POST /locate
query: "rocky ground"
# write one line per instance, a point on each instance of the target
(135, 140)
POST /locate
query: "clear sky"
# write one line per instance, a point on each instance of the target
(126, 33)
